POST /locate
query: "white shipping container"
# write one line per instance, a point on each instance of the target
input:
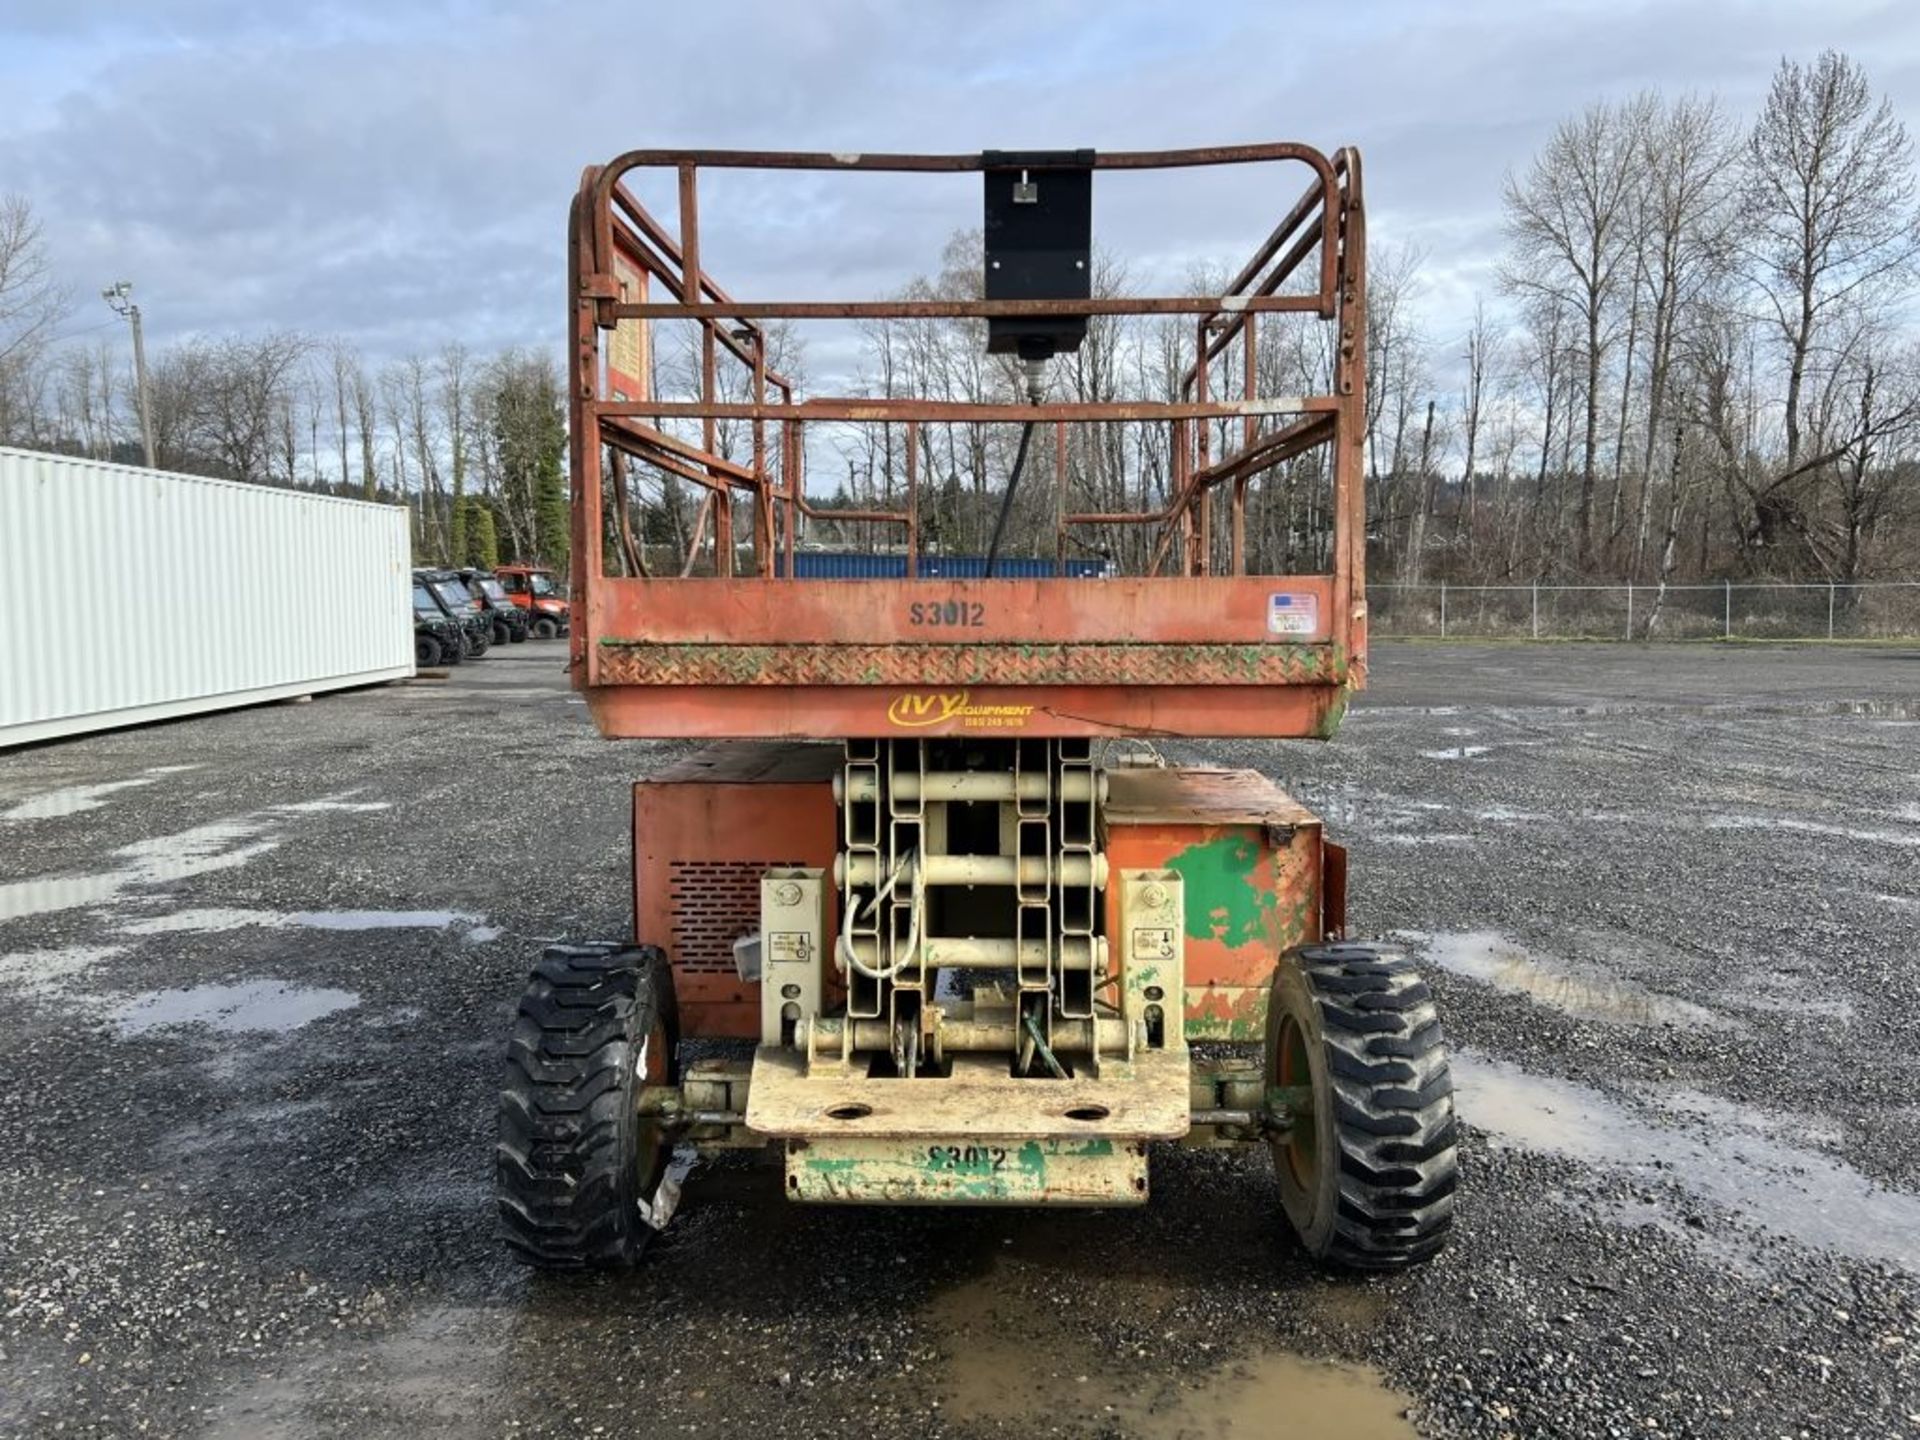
(134, 595)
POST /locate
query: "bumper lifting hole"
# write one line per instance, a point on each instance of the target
(852, 1110)
(1088, 1112)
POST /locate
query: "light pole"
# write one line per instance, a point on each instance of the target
(120, 296)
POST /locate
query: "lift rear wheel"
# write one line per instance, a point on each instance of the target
(426, 651)
(545, 627)
(1368, 1170)
(576, 1159)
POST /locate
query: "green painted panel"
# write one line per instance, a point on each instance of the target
(1229, 882)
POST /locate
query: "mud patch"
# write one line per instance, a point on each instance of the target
(997, 1375)
(1719, 1152)
(1583, 993)
(244, 1127)
(259, 1006)
(435, 1374)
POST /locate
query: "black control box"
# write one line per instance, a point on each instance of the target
(1039, 243)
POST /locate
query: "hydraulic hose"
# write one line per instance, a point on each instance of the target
(1006, 499)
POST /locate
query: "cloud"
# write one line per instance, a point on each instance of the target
(399, 173)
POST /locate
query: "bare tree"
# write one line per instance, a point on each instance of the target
(1683, 224)
(30, 300)
(366, 423)
(180, 377)
(1393, 283)
(1876, 397)
(343, 362)
(1543, 361)
(393, 410)
(30, 303)
(244, 389)
(453, 367)
(1828, 195)
(1485, 359)
(1570, 223)
(88, 399)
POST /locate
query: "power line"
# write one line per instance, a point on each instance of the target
(83, 330)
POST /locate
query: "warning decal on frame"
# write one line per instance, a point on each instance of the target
(1293, 614)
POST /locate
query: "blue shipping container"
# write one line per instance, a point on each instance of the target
(851, 565)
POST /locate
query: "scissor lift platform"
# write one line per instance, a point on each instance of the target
(962, 924)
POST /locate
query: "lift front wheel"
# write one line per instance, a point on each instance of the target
(576, 1159)
(1367, 1171)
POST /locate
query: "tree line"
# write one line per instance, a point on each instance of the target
(1694, 362)
(473, 446)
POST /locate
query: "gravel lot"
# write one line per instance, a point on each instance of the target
(256, 968)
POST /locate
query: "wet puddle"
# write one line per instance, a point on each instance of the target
(72, 800)
(1506, 815)
(1713, 1149)
(1456, 752)
(1584, 994)
(380, 919)
(995, 1374)
(259, 1006)
(200, 851)
(77, 799)
(51, 972)
(164, 859)
(1813, 827)
(324, 807)
(215, 922)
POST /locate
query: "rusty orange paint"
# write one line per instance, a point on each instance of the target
(1178, 651)
(1250, 861)
(810, 712)
(1227, 1012)
(934, 670)
(704, 831)
(1124, 609)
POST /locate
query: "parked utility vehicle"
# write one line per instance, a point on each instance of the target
(439, 638)
(533, 589)
(509, 621)
(454, 597)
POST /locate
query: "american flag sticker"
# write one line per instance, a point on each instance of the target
(1290, 614)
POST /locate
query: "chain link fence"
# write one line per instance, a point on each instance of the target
(1726, 611)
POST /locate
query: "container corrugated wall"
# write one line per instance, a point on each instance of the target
(129, 595)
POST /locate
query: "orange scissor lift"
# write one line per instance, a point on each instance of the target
(969, 957)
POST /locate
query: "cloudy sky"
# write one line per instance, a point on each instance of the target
(397, 171)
